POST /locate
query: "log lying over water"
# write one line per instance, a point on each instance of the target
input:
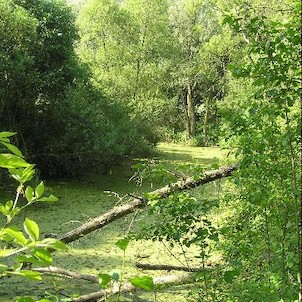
(115, 288)
(137, 202)
(102, 295)
(52, 270)
(165, 267)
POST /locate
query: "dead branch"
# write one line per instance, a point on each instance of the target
(165, 267)
(115, 288)
(128, 287)
(66, 273)
(136, 203)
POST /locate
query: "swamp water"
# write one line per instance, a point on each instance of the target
(96, 252)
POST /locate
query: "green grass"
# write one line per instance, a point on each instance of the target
(96, 252)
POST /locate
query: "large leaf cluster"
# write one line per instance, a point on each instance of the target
(263, 120)
(22, 248)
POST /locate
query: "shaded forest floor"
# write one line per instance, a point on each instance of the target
(96, 253)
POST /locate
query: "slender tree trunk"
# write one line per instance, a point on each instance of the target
(188, 125)
(139, 65)
(206, 118)
(191, 111)
(138, 69)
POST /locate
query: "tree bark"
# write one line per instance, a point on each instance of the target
(61, 271)
(136, 203)
(115, 288)
(206, 119)
(165, 267)
(191, 111)
(128, 287)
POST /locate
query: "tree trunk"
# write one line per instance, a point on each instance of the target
(137, 203)
(115, 288)
(102, 295)
(191, 111)
(188, 127)
(165, 267)
(206, 119)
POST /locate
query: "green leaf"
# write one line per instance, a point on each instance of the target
(25, 299)
(22, 174)
(13, 149)
(50, 198)
(28, 274)
(3, 210)
(6, 134)
(151, 196)
(28, 259)
(54, 244)
(122, 243)
(17, 236)
(137, 166)
(29, 193)
(27, 173)
(9, 205)
(12, 161)
(214, 237)
(3, 268)
(230, 275)
(115, 275)
(17, 266)
(43, 255)
(39, 189)
(145, 283)
(4, 253)
(32, 229)
(104, 280)
(228, 20)
(153, 203)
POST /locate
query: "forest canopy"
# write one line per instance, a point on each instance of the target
(64, 122)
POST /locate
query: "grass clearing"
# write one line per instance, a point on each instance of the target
(96, 253)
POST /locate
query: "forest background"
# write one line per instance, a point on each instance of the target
(87, 85)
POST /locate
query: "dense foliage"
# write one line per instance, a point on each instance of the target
(162, 59)
(64, 123)
(83, 91)
(263, 118)
(260, 228)
(22, 247)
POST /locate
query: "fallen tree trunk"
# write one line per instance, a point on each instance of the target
(115, 288)
(66, 273)
(165, 267)
(137, 203)
(128, 287)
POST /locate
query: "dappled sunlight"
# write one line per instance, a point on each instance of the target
(202, 155)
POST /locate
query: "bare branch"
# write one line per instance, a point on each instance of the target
(66, 273)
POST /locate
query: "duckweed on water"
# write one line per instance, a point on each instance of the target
(96, 252)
